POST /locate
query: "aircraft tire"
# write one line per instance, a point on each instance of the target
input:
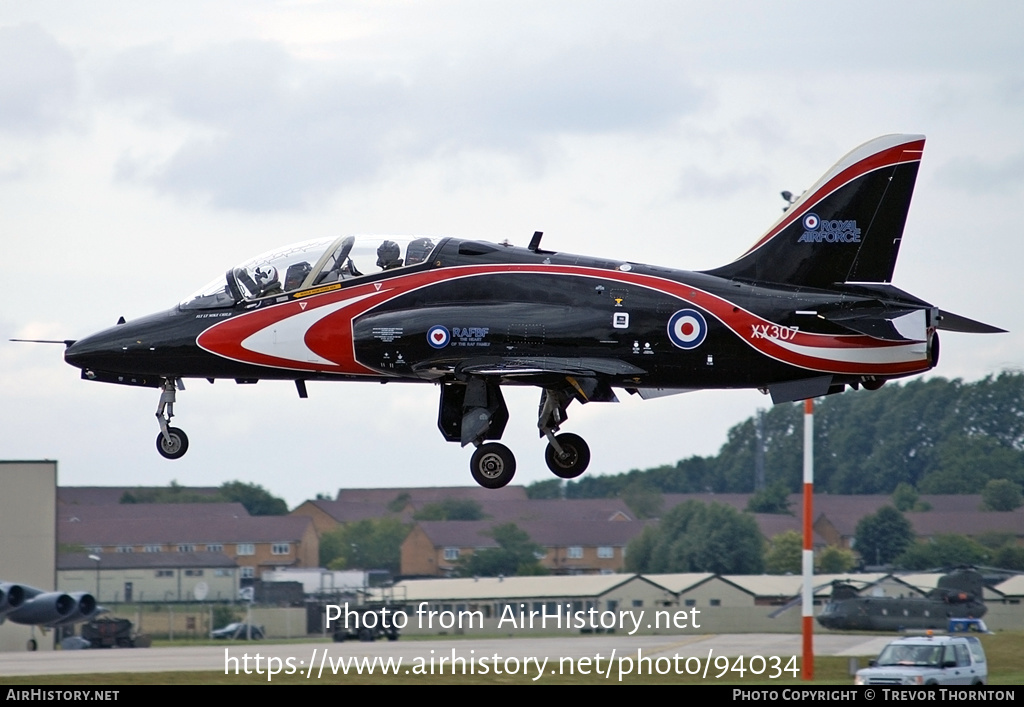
(576, 459)
(493, 465)
(176, 447)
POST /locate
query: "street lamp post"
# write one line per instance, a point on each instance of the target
(96, 559)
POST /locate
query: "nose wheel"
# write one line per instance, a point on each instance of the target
(172, 443)
(493, 465)
(567, 455)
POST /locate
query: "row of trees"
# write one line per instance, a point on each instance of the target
(886, 538)
(376, 543)
(256, 499)
(692, 537)
(936, 435)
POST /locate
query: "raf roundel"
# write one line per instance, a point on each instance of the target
(687, 328)
(438, 336)
(811, 221)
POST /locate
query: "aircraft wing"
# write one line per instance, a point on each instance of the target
(525, 368)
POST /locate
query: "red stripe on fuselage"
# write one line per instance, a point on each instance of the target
(331, 338)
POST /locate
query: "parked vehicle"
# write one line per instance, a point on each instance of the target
(374, 622)
(239, 631)
(928, 660)
(113, 633)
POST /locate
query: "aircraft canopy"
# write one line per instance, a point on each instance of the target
(310, 264)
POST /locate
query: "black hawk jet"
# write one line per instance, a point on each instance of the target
(807, 311)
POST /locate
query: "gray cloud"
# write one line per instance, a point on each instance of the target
(696, 183)
(38, 83)
(975, 176)
(274, 131)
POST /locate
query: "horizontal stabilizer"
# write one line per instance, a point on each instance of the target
(880, 322)
(954, 322)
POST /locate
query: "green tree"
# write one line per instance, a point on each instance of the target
(399, 502)
(694, 537)
(643, 498)
(516, 554)
(549, 488)
(256, 499)
(943, 551)
(774, 498)
(373, 543)
(451, 509)
(1010, 557)
(1001, 495)
(904, 497)
(935, 435)
(784, 553)
(883, 536)
(835, 560)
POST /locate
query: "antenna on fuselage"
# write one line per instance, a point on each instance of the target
(535, 241)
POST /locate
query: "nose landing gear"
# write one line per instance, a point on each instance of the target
(172, 443)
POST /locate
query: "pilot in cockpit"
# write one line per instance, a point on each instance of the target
(389, 255)
(267, 281)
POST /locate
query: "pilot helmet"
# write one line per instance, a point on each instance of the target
(389, 255)
(266, 275)
(266, 279)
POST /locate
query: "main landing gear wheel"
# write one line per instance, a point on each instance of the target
(574, 459)
(175, 446)
(493, 465)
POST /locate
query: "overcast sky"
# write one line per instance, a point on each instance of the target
(145, 148)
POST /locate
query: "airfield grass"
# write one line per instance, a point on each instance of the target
(1005, 651)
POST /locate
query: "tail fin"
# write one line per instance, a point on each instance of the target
(847, 227)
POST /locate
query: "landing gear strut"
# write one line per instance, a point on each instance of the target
(567, 455)
(172, 443)
(474, 411)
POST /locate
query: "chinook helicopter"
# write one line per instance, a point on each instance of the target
(957, 596)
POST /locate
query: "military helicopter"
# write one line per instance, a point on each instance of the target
(957, 596)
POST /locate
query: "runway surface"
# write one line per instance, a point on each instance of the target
(302, 655)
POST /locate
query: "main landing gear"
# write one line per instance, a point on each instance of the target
(493, 465)
(172, 443)
(475, 412)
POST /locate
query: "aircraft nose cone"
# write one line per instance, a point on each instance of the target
(88, 352)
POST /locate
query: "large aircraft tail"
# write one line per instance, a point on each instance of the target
(845, 228)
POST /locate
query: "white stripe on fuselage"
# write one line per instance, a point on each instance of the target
(286, 338)
(872, 355)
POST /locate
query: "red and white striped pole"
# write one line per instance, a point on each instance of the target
(807, 615)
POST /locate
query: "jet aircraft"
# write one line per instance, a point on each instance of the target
(809, 310)
(27, 605)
